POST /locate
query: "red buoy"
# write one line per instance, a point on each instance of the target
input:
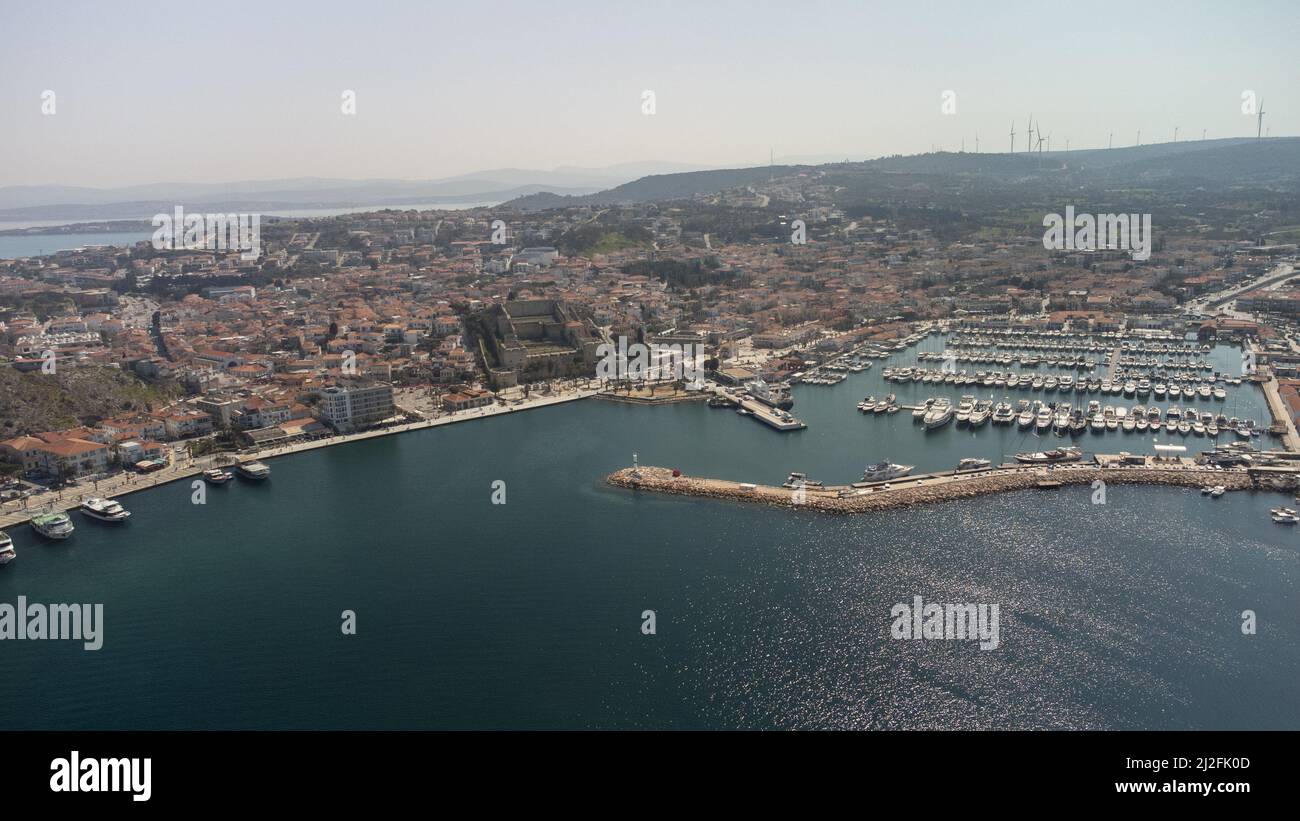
(676, 473)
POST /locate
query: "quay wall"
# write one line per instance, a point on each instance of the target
(933, 488)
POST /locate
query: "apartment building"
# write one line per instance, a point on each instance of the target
(353, 406)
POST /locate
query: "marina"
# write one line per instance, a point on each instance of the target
(176, 569)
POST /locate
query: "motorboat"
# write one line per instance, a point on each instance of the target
(105, 510)
(884, 471)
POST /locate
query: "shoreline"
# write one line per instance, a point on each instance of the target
(930, 488)
(125, 484)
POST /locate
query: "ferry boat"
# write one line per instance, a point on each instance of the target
(256, 470)
(884, 471)
(53, 525)
(106, 510)
(7, 553)
(973, 464)
(1070, 454)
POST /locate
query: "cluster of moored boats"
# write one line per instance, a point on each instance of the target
(1074, 343)
(1064, 419)
(1061, 383)
(873, 405)
(56, 525)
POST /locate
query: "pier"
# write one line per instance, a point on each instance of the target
(768, 415)
(945, 485)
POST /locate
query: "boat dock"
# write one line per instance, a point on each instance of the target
(764, 413)
(942, 486)
(768, 416)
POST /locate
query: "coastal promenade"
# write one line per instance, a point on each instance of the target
(184, 467)
(934, 487)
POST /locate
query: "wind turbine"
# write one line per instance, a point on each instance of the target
(1049, 142)
(1203, 135)
(1013, 136)
(1259, 119)
(977, 143)
(1175, 133)
(1111, 144)
(1139, 142)
(1030, 146)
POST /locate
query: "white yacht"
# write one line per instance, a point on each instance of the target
(973, 464)
(1044, 419)
(7, 553)
(106, 510)
(940, 414)
(217, 476)
(884, 471)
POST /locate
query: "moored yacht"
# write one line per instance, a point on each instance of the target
(254, 470)
(106, 510)
(217, 476)
(884, 471)
(1044, 419)
(939, 414)
(53, 525)
(7, 552)
(973, 464)
(1069, 454)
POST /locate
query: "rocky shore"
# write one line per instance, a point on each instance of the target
(924, 489)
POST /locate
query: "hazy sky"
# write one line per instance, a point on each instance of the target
(221, 91)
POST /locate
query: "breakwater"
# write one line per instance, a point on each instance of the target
(929, 488)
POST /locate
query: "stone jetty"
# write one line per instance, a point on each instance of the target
(932, 487)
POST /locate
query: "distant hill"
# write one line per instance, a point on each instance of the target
(1273, 163)
(55, 202)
